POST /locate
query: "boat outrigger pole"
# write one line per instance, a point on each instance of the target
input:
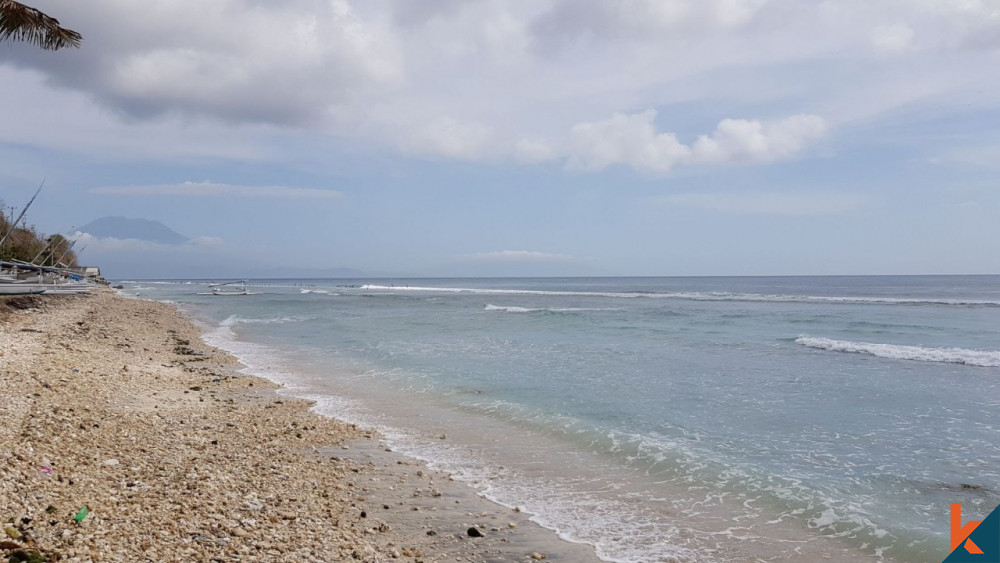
(52, 252)
(44, 248)
(71, 245)
(13, 225)
(48, 255)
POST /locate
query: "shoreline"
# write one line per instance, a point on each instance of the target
(119, 406)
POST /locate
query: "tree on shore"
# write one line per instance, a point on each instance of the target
(19, 22)
(58, 251)
(24, 243)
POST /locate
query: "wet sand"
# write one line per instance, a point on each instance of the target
(123, 437)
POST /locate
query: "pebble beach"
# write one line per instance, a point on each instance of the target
(124, 437)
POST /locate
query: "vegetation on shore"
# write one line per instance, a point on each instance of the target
(28, 245)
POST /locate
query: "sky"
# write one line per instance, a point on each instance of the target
(516, 137)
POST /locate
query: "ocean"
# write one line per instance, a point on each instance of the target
(659, 419)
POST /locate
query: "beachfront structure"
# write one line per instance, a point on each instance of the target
(86, 272)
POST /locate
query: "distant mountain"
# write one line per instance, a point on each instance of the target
(142, 229)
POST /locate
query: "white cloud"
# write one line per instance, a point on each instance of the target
(892, 39)
(732, 13)
(789, 204)
(508, 79)
(133, 258)
(71, 122)
(238, 60)
(96, 244)
(445, 136)
(208, 189)
(635, 20)
(519, 256)
(973, 24)
(742, 140)
(633, 140)
(530, 150)
(625, 139)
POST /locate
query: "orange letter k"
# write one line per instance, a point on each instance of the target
(960, 532)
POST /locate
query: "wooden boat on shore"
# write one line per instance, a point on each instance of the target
(19, 278)
(20, 289)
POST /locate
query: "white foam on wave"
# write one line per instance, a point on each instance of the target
(698, 296)
(981, 358)
(485, 291)
(600, 519)
(318, 292)
(579, 517)
(258, 359)
(234, 320)
(512, 309)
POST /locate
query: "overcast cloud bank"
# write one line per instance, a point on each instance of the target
(391, 135)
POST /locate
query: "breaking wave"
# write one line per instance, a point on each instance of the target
(234, 320)
(318, 292)
(512, 309)
(981, 358)
(697, 296)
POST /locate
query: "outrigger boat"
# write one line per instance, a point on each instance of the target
(230, 288)
(20, 289)
(27, 278)
(20, 278)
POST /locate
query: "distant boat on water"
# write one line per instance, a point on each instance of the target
(231, 288)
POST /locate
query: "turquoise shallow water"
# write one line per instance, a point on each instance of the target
(693, 418)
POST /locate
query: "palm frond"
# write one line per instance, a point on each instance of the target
(24, 23)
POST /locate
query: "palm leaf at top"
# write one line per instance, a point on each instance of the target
(24, 23)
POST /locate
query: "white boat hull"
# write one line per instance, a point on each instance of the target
(19, 289)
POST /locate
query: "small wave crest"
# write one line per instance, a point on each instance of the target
(511, 309)
(318, 292)
(257, 359)
(234, 320)
(505, 309)
(698, 296)
(981, 358)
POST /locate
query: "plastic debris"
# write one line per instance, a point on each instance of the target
(81, 514)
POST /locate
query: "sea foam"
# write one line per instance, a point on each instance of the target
(698, 296)
(514, 309)
(965, 356)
